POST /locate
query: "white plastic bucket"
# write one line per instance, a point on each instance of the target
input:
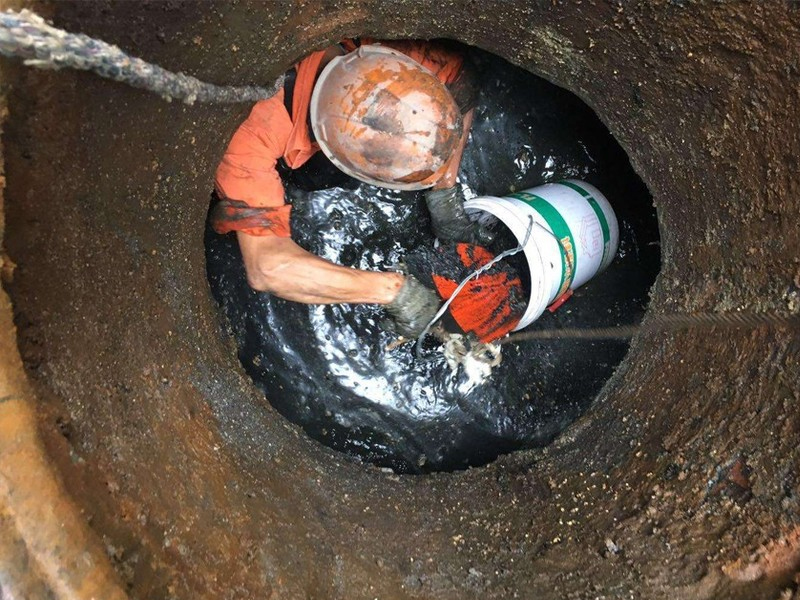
(575, 235)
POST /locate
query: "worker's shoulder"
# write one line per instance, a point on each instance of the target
(269, 108)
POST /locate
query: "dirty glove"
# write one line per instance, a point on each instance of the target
(413, 308)
(450, 221)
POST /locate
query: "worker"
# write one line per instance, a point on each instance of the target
(394, 114)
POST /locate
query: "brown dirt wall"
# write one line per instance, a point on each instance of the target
(681, 480)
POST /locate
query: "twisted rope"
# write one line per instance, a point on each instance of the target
(26, 35)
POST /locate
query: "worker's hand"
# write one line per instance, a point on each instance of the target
(413, 308)
(450, 221)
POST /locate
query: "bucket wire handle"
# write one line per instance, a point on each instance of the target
(473, 275)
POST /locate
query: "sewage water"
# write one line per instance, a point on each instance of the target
(328, 369)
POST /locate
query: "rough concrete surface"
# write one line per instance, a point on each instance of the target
(680, 481)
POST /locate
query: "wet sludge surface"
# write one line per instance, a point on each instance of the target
(328, 368)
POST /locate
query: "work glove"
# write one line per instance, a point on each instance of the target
(413, 308)
(488, 306)
(450, 221)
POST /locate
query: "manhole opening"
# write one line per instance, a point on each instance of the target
(333, 369)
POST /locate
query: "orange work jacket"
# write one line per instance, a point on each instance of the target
(247, 180)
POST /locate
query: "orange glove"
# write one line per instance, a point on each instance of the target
(488, 306)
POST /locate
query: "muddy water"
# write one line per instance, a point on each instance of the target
(328, 369)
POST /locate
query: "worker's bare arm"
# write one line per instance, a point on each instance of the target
(279, 266)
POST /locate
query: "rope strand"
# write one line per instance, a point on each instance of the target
(28, 36)
(660, 323)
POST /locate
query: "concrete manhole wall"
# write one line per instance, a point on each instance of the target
(680, 481)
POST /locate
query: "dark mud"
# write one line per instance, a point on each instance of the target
(327, 367)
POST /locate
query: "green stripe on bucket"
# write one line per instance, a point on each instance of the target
(601, 216)
(561, 231)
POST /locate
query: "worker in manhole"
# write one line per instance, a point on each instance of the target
(395, 115)
(326, 245)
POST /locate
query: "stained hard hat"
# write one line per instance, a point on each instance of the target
(385, 119)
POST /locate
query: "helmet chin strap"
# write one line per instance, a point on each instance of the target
(331, 53)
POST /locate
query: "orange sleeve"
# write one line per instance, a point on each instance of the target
(247, 174)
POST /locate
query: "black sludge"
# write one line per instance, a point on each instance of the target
(327, 368)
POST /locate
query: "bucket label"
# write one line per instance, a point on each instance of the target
(561, 232)
(601, 217)
(591, 237)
